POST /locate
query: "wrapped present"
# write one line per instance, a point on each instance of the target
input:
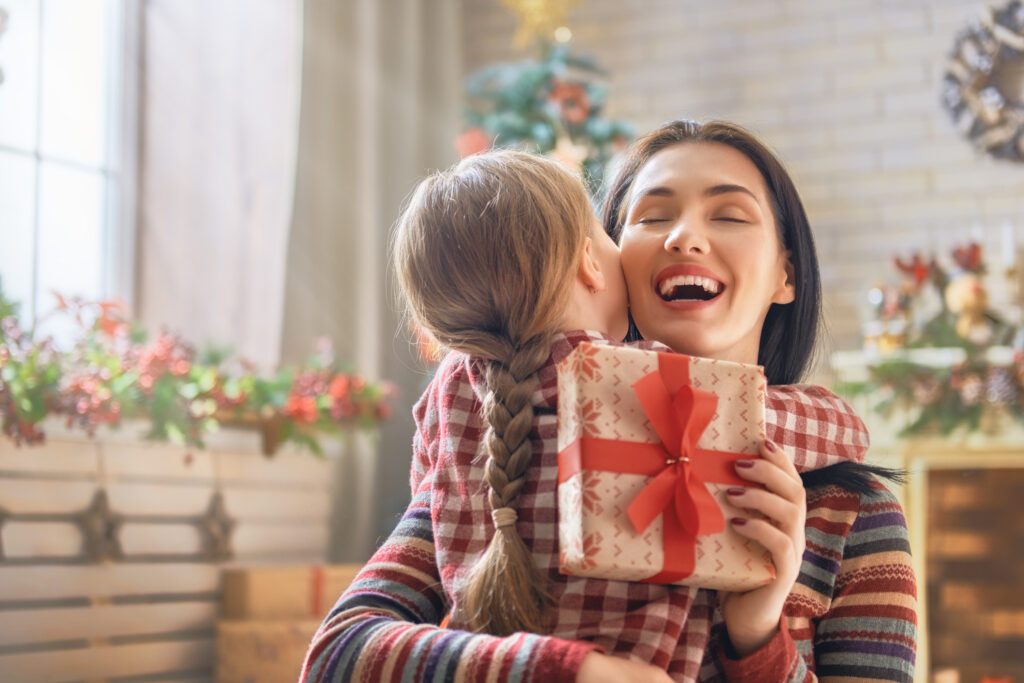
(261, 650)
(284, 592)
(647, 443)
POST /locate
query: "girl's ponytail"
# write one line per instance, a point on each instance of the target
(505, 591)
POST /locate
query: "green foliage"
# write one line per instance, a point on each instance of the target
(536, 104)
(114, 371)
(955, 389)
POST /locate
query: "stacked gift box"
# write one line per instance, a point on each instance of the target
(269, 616)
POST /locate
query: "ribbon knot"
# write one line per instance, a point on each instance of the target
(679, 418)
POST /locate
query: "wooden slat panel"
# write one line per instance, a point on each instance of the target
(103, 621)
(281, 469)
(72, 459)
(160, 539)
(157, 461)
(41, 539)
(137, 498)
(45, 495)
(279, 539)
(332, 447)
(270, 504)
(108, 661)
(41, 583)
(235, 439)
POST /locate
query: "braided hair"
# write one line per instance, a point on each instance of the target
(485, 255)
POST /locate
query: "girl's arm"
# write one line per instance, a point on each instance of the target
(857, 563)
(814, 426)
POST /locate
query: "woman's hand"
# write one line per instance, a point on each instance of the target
(599, 668)
(752, 618)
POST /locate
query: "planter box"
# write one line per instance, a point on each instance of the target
(112, 549)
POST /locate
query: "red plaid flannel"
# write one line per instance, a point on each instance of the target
(648, 622)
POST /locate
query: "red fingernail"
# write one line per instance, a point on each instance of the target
(744, 463)
(770, 445)
(738, 521)
(735, 491)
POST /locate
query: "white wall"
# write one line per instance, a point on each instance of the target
(846, 92)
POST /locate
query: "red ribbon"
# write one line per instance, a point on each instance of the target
(681, 471)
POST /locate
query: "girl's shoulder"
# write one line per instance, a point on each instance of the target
(450, 387)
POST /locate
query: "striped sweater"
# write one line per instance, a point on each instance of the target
(384, 627)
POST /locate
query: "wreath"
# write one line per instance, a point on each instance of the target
(984, 80)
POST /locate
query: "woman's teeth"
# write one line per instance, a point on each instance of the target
(689, 287)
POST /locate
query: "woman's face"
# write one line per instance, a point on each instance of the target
(701, 252)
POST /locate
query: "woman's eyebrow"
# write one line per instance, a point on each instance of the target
(716, 190)
(656, 191)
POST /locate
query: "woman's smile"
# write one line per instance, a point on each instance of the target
(688, 286)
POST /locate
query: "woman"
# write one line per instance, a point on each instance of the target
(719, 262)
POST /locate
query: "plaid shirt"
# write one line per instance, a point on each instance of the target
(647, 622)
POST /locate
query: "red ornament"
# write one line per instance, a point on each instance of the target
(473, 141)
(573, 101)
(968, 257)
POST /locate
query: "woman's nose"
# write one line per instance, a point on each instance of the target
(687, 237)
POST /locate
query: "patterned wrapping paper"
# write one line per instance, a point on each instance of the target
(608, 397)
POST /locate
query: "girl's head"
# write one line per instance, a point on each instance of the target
(493, 257)
(716, 248)
(488, 252)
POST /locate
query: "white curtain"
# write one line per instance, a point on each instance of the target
(381, 82)
(279, 139)
(220, 105)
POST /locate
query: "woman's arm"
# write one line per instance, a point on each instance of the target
(857, 564)
(384, 627)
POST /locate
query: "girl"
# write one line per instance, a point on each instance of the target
(495, 257)
(719, 262)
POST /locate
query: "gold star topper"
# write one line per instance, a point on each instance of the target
(540, 18)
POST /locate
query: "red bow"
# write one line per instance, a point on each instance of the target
(679, 422)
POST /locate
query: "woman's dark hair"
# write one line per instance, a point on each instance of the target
(791, 330)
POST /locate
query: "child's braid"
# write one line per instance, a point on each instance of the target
(506, 592)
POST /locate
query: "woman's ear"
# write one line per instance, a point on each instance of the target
(589, 273)
(786, 292)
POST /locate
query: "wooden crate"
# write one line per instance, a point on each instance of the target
(112, 549)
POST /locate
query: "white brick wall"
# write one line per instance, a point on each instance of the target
(846, 92)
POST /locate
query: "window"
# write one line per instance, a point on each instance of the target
(67, 148)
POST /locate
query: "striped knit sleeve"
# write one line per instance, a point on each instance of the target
(870, 630)
(384, 627)
(857, 562)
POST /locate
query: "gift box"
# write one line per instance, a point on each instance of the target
(284, 592)
(647, 443)
(262, 651)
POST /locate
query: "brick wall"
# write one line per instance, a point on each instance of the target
(846, 92)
